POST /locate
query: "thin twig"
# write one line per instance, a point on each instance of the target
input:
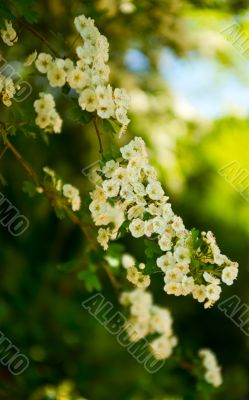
(20, 123)
(3, 152)
(98, 135)
(77, 221)
(30, 28)
(71, 46)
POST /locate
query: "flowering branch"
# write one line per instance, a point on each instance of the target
(127, 197)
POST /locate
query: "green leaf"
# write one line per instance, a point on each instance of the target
(66, 89)
(45, 137)
(107, 126)
(60, 212)
(112, 154)
(29, 188)
(152, 248)
(115, 125)
(196, 240)
(114, 254)
(124, 228)
(24, 8)
(90, 279)
(115, 249)
(86, 116)
(76, 114)
(5, 13)
(69, 265)
(30, 134)
(151, 267)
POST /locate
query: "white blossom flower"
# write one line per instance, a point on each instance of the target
(44, 104)
(127, 261)
(199, 293)
(143, 281)
(165, 242)
(136, 329)
(132, 275)
(100, 73)
(182, 254)
(128, 152)
(178, 225)
(160, 320)
(88, 100)
(213, 292)
(135, 212)
(229, 274)
(7, 90)
(120, 174)
(77, 79)
(72, 194)
(187, 285)
(148, 228)
(56, 76)
(121, 98)
(8, 35)
(30, 59)
(105, 110)
(161, 347)
(111, 187)
(212, 369)
(158, 225)
(174, 288)
(154, 190)
(44, 62)
(166, 261)
(137, 227)
(103, 237)
(173, 275)
(121, 115)
(109, 168)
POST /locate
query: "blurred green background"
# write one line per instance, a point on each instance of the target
(189, 87)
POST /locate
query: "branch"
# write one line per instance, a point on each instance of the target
(23, 162)
(73, 217)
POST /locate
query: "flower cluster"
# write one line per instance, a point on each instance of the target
(69, 192)
(47, 116)
(149, 319)
(191, 263)
(7, 90)
(212, 369)
(89, 77)
(137, 278)
(105, 214)
(134, 276)
(9, 35)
